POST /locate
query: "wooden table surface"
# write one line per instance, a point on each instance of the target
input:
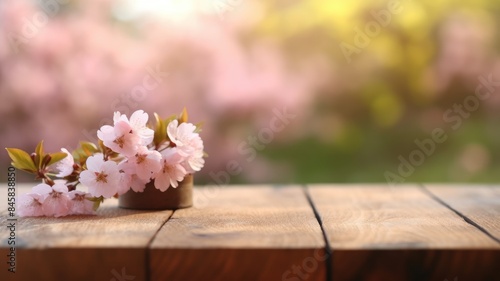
(293, 233)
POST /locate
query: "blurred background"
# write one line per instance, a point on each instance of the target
(289, 91)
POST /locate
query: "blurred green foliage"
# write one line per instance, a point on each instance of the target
(386, 101)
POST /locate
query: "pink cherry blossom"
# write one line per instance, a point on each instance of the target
(120, 138)
(182, 135)
(144, 164)
(101, 177)
(172, 171)
(138, 122)
(189, 143)
(131, 181)
(124, 183)
(80, 205)
(194, 161)
(30, 205)
(65, 166)
(126, 137)
(137, 184)
(56, 201)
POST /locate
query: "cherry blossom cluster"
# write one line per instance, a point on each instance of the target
(182, 155)
(130, 154)
(56, 201)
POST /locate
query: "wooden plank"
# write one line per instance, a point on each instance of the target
(481, 204)
(110, 245)
(241, 233)
(381, 233)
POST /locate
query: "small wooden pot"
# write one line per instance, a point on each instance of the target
(153, 199)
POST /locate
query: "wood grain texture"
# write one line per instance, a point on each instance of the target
(83, 247)
(241, 233)
(270, 233)
(382, 233)
(416, 264)
(481, 204)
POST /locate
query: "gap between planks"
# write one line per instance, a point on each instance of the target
(415, 255)
(328, 249)
(147, 259)
(458, 213)
(274, 227)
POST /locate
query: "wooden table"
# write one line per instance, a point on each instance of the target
(314, 232)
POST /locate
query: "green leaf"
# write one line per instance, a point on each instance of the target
(170, 119)
(39, 154)
(85, 150)
(96, 205)
(101, 146)
(198, 127)
(160, 131)
(97, 202)
(21, 160)
(157, 118)
(88, 147)
(56, 157)
(184, 116)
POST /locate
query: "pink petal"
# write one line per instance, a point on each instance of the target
(106, 133)
(172, 130)
(87, 177)
(56, 207)
(42, 189)
(27, 205)
(80, 206)
(124, 184)
(137, 184)
(117, 117)
(94, 162)
(162, 182)
(60, 187)
(139, 119)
